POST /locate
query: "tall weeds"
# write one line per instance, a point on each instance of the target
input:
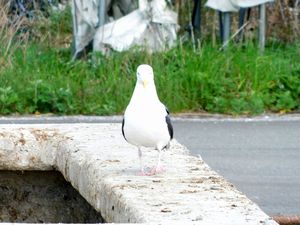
(37, 76)
(10, 36)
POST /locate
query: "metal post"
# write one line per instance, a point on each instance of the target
(242, 13)
(221, 25)
(102, 9)
(262, 27)
(196, 17)
(75, 29)
(226, 34)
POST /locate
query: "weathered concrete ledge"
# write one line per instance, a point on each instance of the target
(103, 167)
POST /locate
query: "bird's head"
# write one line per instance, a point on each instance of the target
(145, 75)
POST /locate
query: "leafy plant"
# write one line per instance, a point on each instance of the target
(36, 74)
(8, 100)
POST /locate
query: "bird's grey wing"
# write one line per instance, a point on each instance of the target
(168, 121)
(170, 127)
(167, 110)
(123, 123)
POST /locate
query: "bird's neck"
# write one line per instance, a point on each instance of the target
(145, 94)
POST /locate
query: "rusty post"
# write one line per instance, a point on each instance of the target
(287, 220)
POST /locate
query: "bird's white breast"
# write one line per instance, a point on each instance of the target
(145, 125)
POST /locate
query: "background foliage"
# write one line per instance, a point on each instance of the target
(37, 75)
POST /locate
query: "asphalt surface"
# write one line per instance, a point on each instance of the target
(260, 156)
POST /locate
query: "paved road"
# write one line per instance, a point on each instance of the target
(260, 156)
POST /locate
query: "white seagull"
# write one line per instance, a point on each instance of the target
(146, 121)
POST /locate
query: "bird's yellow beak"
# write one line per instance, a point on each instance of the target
(145, 83)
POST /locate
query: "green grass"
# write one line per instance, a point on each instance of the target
(237, 81)
(37, 75)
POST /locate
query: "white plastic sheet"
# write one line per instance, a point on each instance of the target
(233, 5)
(86, 19)
(152, 26)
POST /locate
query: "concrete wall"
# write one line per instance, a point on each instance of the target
(103, 168)
(42, 197)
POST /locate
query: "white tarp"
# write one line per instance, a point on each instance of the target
(86, 19)
(233, 5)
(152, 26)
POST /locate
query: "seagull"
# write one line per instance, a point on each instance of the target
(146, 121)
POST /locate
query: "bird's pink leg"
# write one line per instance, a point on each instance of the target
(159, 168)
(142, 170)
(155, 170)
(142, 173)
